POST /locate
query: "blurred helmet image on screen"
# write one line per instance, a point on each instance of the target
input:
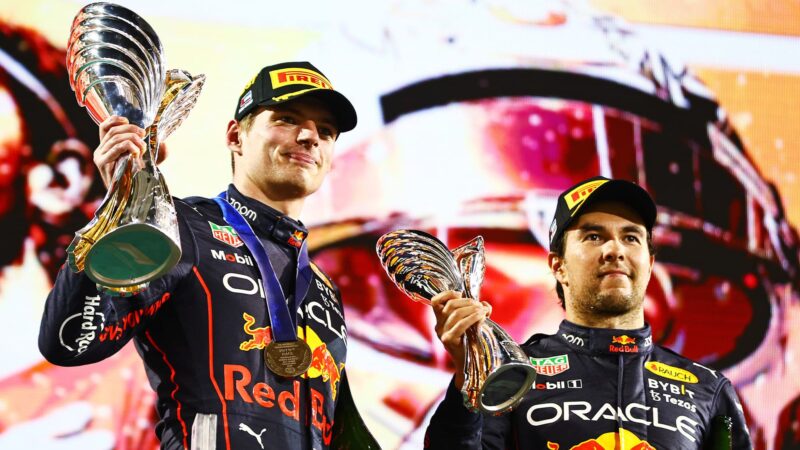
(48, 189)
(479, 141)
(47, 182)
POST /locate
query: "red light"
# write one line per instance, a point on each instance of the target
(750, 281)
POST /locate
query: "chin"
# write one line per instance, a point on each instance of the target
(617, 301)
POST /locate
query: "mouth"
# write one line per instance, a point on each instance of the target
(613, 274)
(302, 158)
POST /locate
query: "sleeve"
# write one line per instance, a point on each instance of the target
(453, 426)
(82, 326)
(727, 405)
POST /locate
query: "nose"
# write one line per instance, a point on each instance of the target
(308, 134)
(613, 250)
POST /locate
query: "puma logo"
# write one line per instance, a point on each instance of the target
(248, 430)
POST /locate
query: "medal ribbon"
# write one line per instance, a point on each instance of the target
(282, 314)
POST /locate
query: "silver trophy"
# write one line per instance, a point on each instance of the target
(116, 67)
(497, 373)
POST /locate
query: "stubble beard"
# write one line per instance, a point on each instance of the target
(591, 301)
(290, 183)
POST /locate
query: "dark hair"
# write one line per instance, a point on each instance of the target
(560, 246)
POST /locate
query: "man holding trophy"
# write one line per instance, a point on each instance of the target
(601, 382)
(242, 336)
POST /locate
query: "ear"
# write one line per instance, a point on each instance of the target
(233, 137)
(556, 264)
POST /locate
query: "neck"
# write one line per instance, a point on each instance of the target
(291, 207)
(627, 321)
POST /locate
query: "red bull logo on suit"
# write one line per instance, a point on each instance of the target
(323, 364)
(624, 440)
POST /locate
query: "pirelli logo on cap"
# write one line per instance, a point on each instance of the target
(577, 196)
(297, 75)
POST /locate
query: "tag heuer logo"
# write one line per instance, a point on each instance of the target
(553, 365)
(226, 234)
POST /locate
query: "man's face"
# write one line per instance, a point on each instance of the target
(288, 149)
(607, 263)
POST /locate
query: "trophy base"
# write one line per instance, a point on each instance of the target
(131, 255)
(505, 387)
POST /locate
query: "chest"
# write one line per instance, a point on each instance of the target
(238, 310)
(581, 400)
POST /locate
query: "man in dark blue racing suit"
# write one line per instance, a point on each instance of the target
(601, 383)
(202, 329)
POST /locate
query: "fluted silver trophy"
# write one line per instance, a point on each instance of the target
(497, 373)
(116, 67)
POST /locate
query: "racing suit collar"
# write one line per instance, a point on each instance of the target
(605, 340)
(268, 221)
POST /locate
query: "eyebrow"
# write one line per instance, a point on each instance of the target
(325, 120)
(596, 227)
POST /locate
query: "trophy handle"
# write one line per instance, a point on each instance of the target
(497, 373)
(133, 237)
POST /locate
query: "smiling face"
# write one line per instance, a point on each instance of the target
(287, 150)
(606, 265)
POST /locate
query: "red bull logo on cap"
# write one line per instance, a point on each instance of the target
(577, 196)
(625, 440)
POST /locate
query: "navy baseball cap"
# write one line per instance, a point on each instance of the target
(574, 199)
(287, 81)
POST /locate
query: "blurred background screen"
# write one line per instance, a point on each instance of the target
(473, 115)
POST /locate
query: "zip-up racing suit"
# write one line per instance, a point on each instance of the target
(595, 386)
(201, 331)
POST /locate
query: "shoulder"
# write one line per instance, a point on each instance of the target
(323, 276)
(540, 344)
(197, 205)
(670, 364)
(194, 210)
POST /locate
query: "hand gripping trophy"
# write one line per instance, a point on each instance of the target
(497, 373)
(116, 67)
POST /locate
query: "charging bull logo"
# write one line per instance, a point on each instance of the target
(623, 340)
(260, 337)
(322, 362)
(609, 441)
(626, 344)
(296, 239)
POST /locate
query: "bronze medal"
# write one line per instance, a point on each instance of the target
(289, 358)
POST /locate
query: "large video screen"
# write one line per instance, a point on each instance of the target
(473, 116)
